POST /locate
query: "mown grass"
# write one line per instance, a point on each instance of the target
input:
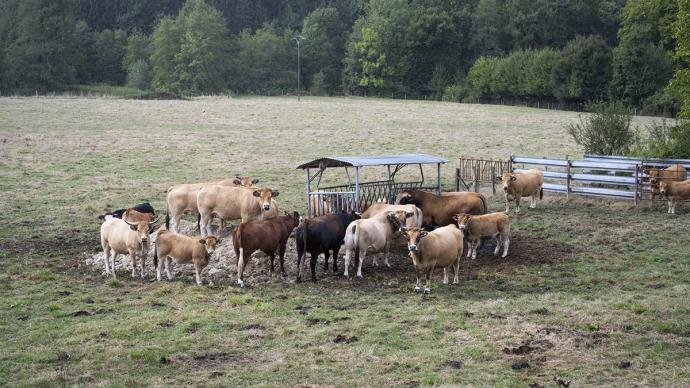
(591, 283)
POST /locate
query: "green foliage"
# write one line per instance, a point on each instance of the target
(606, 130)
(318, 84)
(323, 48)
(139, 75)
(108, 52)
(680, 84)
(139, 48)
(456, 92)
(189, 55)
(664, 141)
(584, 70)
(480, 75)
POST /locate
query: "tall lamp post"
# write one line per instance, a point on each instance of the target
(298, 39)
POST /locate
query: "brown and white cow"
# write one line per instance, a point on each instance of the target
(374, 235)
(675, 191)
(494, 225)
(377, 208)
(438, 210)
(522, 184)
(182, 198)
(673, 173)
(233, 203)
(122, 237)
(183, 250)
(269, 236)
(441, 247)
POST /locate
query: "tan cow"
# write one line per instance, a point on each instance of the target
(674, 173)
(233, 203)
(495, 225)
(521, 184)
(123, 237)
(181, 198)
(438, 210)
(132, 215)
(441, 247)
(374, 235)
(674, 191)
(183, 250)
(378, 208)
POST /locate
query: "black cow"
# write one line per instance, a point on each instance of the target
(141, 208)
(320, 235)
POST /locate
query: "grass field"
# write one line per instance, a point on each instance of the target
(589, 285)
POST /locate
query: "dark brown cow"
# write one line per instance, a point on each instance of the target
(438, 210)
(268, 236)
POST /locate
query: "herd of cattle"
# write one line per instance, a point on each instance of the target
(436, 227)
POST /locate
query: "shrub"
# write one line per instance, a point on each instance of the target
(455, 92)
(318, 84)
(665, 141)
(139, 75)
(606, 130)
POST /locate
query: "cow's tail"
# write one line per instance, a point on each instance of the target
(541, 193)
(167, 218)
(155, 255)
(355, 236)
(301, 259)
(198, 220)
(481, 196)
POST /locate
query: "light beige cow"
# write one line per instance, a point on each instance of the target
(372, 235)
(233, 203)
(182, 250)
(494, 225)
(441, 247)
(122, 237)
(675, 191)
(522, 184)
(378, 208)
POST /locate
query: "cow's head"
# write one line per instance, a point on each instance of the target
(663, 188)
(244, 181)
(264, 195)
(404, 198)
(507, 178)
(143, 229)
(462, 220)
(292, 220)
(413, 236)
(209, 243)
(397, 218)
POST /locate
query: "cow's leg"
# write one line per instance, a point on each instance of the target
(159, 267)
(475, 245)
(197, 270)
(418, 285)
(386, 254)
(445, 274)
(362, 256)
(168, 263)
(517, 203)
(668, 201)
(498, 244)
(281, 256)
(112, 261)
(456, 269)
(176, 222)
(106, 252)
(240, 267)
(326, 256)
(133, 258)
(348, 253)
(335, 259)
(507, 203)
(272, 257)
(427, 288)
(506, 242)
(144, 255)
(313, 258)
(203, 224)
(673, 206)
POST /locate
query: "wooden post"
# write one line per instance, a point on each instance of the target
(493, 178)
(637, 184)
(567, 180)
(476, 178)
(457, 179)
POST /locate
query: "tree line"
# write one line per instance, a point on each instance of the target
(635, 51)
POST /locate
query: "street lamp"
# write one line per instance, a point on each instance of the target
(298, 39)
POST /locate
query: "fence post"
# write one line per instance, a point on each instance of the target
(637, 185)
(493, 178)
(457, 179)
(476, 178)
(567, 180)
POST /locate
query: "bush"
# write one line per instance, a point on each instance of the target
(139, 75)
(455, 92)
(665, 141)
(318, 84)
(606, 130)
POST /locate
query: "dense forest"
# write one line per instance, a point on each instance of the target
(522, 51)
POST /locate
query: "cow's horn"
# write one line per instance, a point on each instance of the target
(154, 221)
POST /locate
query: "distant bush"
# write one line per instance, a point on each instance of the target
(318, 84)
(662, 103)
(606, 130)
(456, 92)
(139, 75)
(664, 141)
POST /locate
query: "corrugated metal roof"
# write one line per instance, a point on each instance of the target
(361, 161)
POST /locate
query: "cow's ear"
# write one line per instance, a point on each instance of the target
(275, 193)
(255, 181)
(296, 215)
(133, 227)
(236, 182)
(408, 214)
(455, 217)
(513, 177)
(423, 233)
(203, 241)
(256, 193)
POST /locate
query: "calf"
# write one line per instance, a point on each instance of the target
(320, 235)
(373, 234)
(521, 184)
(674, 173)
(496, 225)
(268, 236)
(122, 237)
(441, 247)
(377, 208)
(182, 249)
(674, 191)
(143, 208)
(438, 210)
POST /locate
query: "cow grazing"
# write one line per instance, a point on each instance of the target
(123, 237)
(232, 203)
(269, 236)
(145, 208)
(522, 184)
(674, 191)
(674, 173)
(182, 249)
(495, 225)
(182, 198)
(441, 247)
(320, 235)
(438, 210)
(377, 208)
(374, 235)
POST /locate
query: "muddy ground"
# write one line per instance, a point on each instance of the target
(222, 268)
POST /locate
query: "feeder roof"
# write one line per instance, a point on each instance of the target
(361, 161)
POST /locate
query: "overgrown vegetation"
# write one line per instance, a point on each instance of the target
(606, 130)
